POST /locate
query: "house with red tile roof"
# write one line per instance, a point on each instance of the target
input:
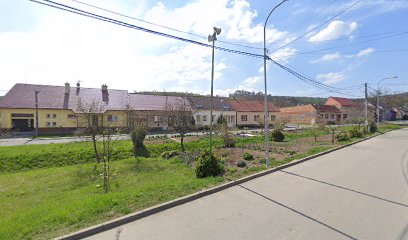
(313, 114)
(252, 112)
(353, 109)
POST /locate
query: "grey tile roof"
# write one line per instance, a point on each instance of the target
(54, 97)
(203, 103)
(143, 102)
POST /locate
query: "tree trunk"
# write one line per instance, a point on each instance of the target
(182, 142)
(95, 148)
(332, 137)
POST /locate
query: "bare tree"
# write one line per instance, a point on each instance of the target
(88, 115)
(180, 117)
(332, 128)
(103, 138)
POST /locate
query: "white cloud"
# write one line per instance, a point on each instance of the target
(331, 77)
(327, 58)
(284, 54)
(334, 30)
(365, 52)
(63, 47)
(236, 18)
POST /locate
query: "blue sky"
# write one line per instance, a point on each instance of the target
(43, 45)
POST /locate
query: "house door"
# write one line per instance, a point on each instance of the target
(23, 125)
(338, 118)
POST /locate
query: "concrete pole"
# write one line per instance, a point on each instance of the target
(378, 107)
(266, 90)
(211, 98)
(366, 107)
(36, 113)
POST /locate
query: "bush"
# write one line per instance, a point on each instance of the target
(341, 137)
(138, 136)
(405, 117)
(355, 133)
(248, 156)
(277, 136)
(207, 165)
(241, 163)
(169, 154)
(373, 127)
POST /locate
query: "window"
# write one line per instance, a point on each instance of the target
(48, 124)
(331, 116)
(273, 117)
(256, 118)
(344, 116)
(198, 118)
(71, 116)
(156, 119)
(48, 115)
(54, 115)
(204, 118)
(326, 116)
(54, 124)
(212, 119)
(244, 118)
(113, 118)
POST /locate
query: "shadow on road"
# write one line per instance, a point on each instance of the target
(300, 213)
(347, 189)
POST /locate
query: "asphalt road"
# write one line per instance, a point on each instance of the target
(359, 192)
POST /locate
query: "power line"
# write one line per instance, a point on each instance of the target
(320, 25)
(310, 81)
(159, 25)
(348, 38)
(128, 25)
(350, 44)
(120, 23)
(314, 16)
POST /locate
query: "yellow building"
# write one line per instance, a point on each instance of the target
(60, 107)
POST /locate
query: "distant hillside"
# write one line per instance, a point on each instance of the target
(279, 101)
(159, 93)
(390, 100)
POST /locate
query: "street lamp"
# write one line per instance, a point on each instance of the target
(266, 91)
(378, 96)
(212, 38)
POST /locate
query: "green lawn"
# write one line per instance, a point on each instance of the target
(45, 203)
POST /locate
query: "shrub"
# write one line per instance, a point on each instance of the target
(355, 133)
(277, 135)
(169, 154)
(341, 137)
(138, 136)
(248, 156)
(241, 163)
(373, 127)
(405, 117)
(207, 165)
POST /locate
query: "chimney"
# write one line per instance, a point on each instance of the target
(104, 88)
(67, 88)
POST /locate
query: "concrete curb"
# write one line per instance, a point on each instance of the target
(179, 201)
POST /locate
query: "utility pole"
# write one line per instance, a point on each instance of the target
(267, 160)
(366, 107)
(212, 38)
(36, 113)
(378, 106)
